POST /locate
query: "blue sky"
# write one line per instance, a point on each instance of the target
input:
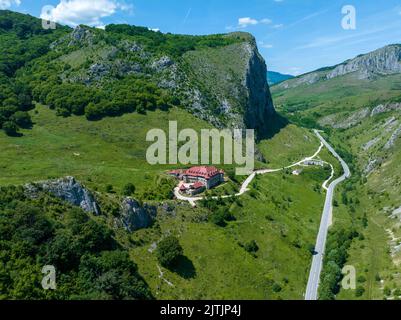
(294, 36)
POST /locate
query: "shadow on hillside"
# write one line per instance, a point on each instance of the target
(185, 268)
(273, 126)
(15, 134)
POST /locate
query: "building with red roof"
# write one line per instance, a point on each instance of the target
(209, 177)
(196, 188)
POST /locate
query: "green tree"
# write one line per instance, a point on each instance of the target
(22, 119)
(168, 251)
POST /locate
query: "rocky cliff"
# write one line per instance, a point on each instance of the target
(67, 189)
(381, 62)
(223, 83)
(133, 216)
(231, 88)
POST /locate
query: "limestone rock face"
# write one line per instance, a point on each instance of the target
(228, 86)
(381, 62)
(69, 190)
(385, 108)
(259, 107)
(81, 35)
(133, 216)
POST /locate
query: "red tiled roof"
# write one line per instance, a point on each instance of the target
(203, 172)
(198, 185)
(183, 188)
(175, 172)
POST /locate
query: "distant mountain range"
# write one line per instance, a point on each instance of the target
(276, 77)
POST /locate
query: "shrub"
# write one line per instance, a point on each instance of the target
(251, 247)
(221, 217)
(276, 287)
(387, 291)
(22, 119)
(129, 189)
(10, 128)
(218, 219)
(109, 188)
(359, 291)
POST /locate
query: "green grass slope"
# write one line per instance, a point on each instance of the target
(342, 107)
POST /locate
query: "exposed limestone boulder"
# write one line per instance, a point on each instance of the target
(133, 216)
(162, 63)
(67, 189)
(391, 142)
(385, 108)
(81, 35)
(352, 120)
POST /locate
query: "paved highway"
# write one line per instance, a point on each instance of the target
(317, 261)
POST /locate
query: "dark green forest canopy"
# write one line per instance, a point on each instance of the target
(22, 39)
(90, 264)
(33, 69)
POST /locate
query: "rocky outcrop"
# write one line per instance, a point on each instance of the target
(259, 107)
(67, 189)
(384, 61)
(352, 120)
(372, 165)
(227, 86)
(387, 107)
(394, 137)
(81, 35)
(370, 143)
(162, 63)
(133, 216)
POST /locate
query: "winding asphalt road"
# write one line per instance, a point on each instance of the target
(247, 182)
(317, 262)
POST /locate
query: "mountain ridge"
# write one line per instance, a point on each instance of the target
(274, 78)
(91, 62)
(380, 62)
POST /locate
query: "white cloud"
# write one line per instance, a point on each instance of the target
(248, 21)
(244, 22)
(296, 71)
(265, 45)
(88, 12)
(5, 4)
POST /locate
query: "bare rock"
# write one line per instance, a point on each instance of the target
(67, 189)
(133, 216)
